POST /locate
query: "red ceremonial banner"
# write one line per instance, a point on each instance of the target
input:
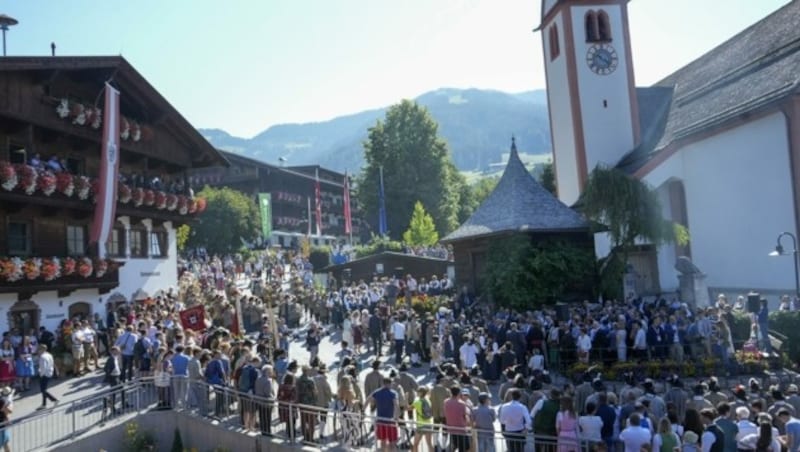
(194, 318)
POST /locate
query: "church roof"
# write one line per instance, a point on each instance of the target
(518, 204)
(745, 74)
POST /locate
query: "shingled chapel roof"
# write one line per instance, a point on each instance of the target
(518, 204)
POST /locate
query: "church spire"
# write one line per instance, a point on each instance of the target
(513, 145)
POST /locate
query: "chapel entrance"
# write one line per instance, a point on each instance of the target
(80, 310)
(644, 263)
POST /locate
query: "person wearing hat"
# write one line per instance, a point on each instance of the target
(778, 404)
(655, 403)
(677, 397)
(714, 394)
(698, 401)
(324, 395)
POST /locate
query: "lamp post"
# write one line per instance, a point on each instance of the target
(5, 22)
(779, 251)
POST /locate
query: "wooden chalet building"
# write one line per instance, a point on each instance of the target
(517, 205)
(291, 189)
(50, 147)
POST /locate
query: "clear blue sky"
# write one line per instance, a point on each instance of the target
(243, 65)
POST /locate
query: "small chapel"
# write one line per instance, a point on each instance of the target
(719, 139)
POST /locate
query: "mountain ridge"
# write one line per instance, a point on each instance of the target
(477, 125)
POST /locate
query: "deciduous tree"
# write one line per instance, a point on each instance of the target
(230, 216)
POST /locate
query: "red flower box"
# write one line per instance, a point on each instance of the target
(172, 202)
(161, 200)
(8, 176)
(123, 193)
(65, 184)
(27, 178)
(68, 266)
(46, 183)
(149, 197)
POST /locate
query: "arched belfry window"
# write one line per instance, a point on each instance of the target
(603, 26)
(592, 33)
(555, 50)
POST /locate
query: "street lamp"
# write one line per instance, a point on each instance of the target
(5, 22)
(779, 251)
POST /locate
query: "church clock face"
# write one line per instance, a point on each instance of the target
(602, 59)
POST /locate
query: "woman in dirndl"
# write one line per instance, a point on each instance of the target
(7, 373)
(24, 363)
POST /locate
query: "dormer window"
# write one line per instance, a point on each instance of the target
(555, 50)
(598, 27)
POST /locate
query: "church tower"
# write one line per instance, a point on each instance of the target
(591, 94)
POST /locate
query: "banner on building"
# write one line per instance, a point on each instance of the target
(106, 197)
(348, 220)
(265, 206)
(194, 318)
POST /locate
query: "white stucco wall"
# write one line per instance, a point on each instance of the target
(608, 130)
(739, 198)
(561, 124)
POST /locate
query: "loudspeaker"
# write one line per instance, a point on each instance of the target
(753, 302)
(562, 312)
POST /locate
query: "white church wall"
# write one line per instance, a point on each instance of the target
(604, 99)
(667, 275)
(561, 122)
(152, 273)
(739, 198)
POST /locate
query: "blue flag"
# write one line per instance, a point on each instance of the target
(382, 228)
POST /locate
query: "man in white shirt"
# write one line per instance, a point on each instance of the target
(77, 348)
(639, 341)
(584, 346)
(468, 353)
(46, 371)
(399, 335)
(635, 436)
(89, 346)
(516, 421)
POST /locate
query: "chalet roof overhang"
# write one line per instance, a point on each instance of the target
(137, 91)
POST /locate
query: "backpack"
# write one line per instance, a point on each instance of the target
(427, 410)
(139, 349)
(243, 380)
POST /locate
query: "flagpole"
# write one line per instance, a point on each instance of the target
(348, 216)
(308, 234)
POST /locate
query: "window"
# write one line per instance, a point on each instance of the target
(555, 50)
(17, 153)
(158, 243)
(19, 238)
(598, 27)
(116, 241)
(138, 242)
(76, 240)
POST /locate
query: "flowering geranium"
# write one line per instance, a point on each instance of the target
(46, 183)
(82, 187)
(137, 195)
(8, 176)
(85, 267)
(123, 193)
(65, 184)
(172, 202)
(192, 206)
(27, 178)
(11, 269)
(62, 110)
(124, 128)
(32, 267)
(97, 118)
(78, 114)
(100, 267)
(161, 200)
(68, 266)
(136, 131)
(201, 205)
(51, 268)
(183, 205)
(149, 197)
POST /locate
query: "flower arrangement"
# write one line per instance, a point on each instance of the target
(68, 267)
(78, 112)
(8, 176)
(85, 267)
(124, 128)
(97, 118)
(136, 131)
(27, 178)
(82, 187)
(201, 205)
(11, 269)
(62, 110)
(137, 195)
(172, 202)
(100, 267)
(95, 184)
(65, 184)
(46, 183)
(149, 197)
(32, 267)
(123, 193)
(51, 268)
(161, 200)
(192, 205)
(183, 205)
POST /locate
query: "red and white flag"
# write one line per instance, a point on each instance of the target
(318, 205)
(193, 318)
(105, 209)
(348, 221)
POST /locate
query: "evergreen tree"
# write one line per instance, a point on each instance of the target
(230, 217)
(416, 167)
(421, 230)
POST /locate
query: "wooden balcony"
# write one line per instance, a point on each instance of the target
(65, 285)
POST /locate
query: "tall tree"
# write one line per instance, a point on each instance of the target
(548, 177)
(483, 188)
(421, 230)
(630, 212)
(416, 167)
(230, 216)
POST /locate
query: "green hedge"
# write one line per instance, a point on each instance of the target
(320, 257)
(378, 245)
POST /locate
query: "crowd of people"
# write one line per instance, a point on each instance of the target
(460, 376)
